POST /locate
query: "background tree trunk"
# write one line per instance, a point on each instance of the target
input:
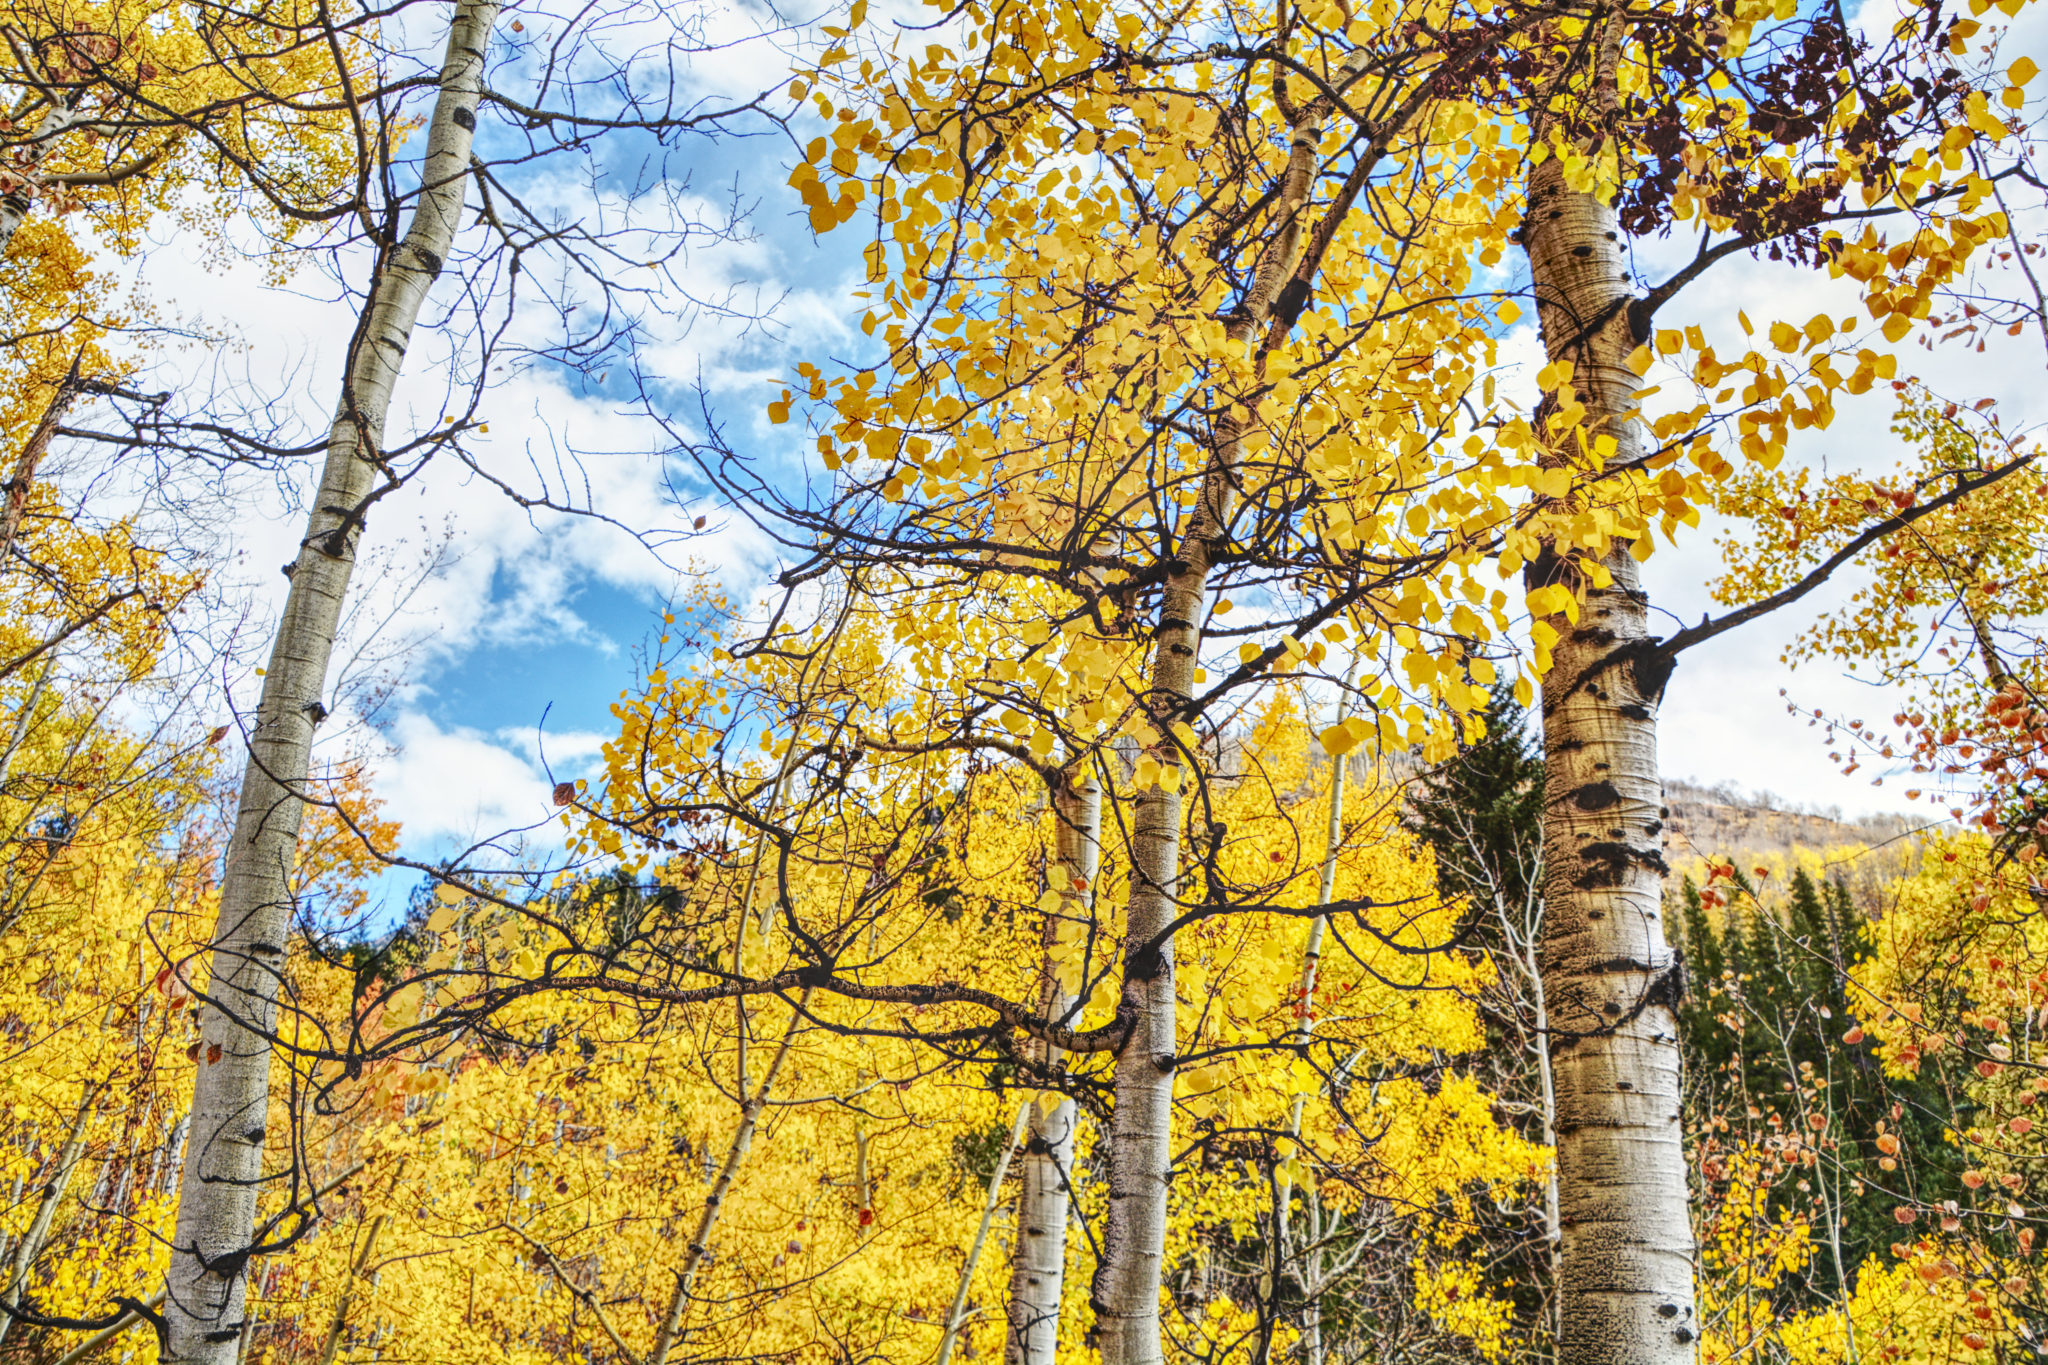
(26, 162)
(957, 1314)
(1038, 1271)
(31, 1244)
(1125, 1292)
(672, 1331)
(207, 1280)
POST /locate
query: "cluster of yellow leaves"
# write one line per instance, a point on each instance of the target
(175, 103)
(1056, 281)
(549, 1178)
(98, 874)
(1940, 1297)
(96, 1043)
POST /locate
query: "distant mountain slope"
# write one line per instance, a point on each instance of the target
(1720, 819)
(1754, 831)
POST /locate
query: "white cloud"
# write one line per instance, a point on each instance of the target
(458, 786)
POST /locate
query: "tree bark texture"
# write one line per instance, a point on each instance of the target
(207, 1280)
(1125, 1291)
(1610, 980)
(26, 161)
(31, 1244)
(957, 1315)
(1039, 1265)
(672, 1331)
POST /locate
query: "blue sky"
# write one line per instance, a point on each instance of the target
(542, 616)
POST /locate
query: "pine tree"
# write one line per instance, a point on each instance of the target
(1704, 958)
(1482, 813)
(1735, 952)
(1817, 965)
(1707, 1047)
(1844, 919)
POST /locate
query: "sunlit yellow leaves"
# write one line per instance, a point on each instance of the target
(1554, 599)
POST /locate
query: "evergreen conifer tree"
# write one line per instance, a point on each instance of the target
(1482, 813)
(1707, 1046)
(1817, 965)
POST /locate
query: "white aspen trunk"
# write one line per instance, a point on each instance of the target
(129, 1319)
(861, 1139)
(360, 1271)
(1313, 1281)
(1125, 1290)
(207, 1280)
(1625, 1254)
(26, 161)
(672, 1333)
(1312, 950)
(31, 1243)
(956, 1314)
(1039, 1265)
(1523, 937)
(1304, 1029)
(174, 1155)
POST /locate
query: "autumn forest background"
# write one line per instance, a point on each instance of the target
(1081, 598)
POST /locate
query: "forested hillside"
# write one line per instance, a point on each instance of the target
(1131, 828)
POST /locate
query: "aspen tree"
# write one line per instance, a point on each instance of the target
(1305, 1262)
(1625, 1260)
(208, 1277)
(1044, 1199)
(1301, 226)
(673, 1331)
(956, 1312)
(1941, 610)
(1611, 981)
(52, 1195)
(1035, 421)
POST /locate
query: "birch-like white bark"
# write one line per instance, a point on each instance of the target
(25, 163)
(957, 1314)
(1039, 1265)
(87, 1348)
(1304, 1030)
(207, 1280)
(1125, 1290)
(672, 1333)
(1625, 1252)
(31, 1244)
